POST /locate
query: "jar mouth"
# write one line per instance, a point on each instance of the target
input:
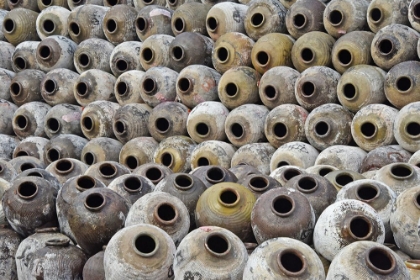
(84, 183)
(183, 182)
(45, 52)
(367, 192)
(131, 162)
(232, 90)
(270, 92)
(107, 170)
(149, 86)
(177, 53)
(185, 85)
(141, 24)
(166, 213)
(345, 57)
(283, 205)
(289, 172)
(16, 89)
(154, 174)
(179, 24)
(350, 92)
(50, 86)
(111, 26)
(237, 130)
(84, 60)
(263, 58)
(48, 26)
(120, 127)
(299, 21)
(280, 130)
(88, 123)
(145, 245)
(64, 166)
(415, 11)
(132, 184)
(122, 65)
(95, 201)
(203, 161)
(376, 15)
(343, 178)
(217, 244)
(222, 55)
(292, 262)
(147, 54)
(322, 129)
(404, 84)
(412, 129)
(20, 63)
(75, 29)
(307, 55)
(53, 154)
(202, 129)
(53, 125)
(9, 26)
(212, 23)
(386, 47)
(258, 183)
(257, 20)
(122, 88)
(215, 175)
(380, 261)
(307, 184)
(360, 228)
(369, 130)
(163, 125)
(89, 158)
(229, 197)
(27, 190)
(401, 171)
(308, 89)
(167, 159)
(336, 18)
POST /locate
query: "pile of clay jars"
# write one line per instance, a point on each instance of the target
(174, 139)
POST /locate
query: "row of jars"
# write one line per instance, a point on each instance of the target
(247, 205)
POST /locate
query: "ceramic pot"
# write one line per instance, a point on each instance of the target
(257, 155)
(101, 149)
(137, 151)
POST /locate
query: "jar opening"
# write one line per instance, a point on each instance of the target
(289, 173)
(215, 174)
(19, 154)
(212, 24)
(45, 52)
(167, 159)
(122, 65)
(15, 89)
(349, 91)
(95, 201)
(87, 123)
(132, 184)
(120, 127)
(229, 197)
(280, 130)
(89, 158)
(307, 55)
(148, 54)
(307, 184)
(107, 170)
(85, 182)
(345, 57)
(131, 162)
(64, 166)
(82, 89)
(183, 182)
(360, 228)
(154, 174)
(416, 11)
(222, 54)
(203, 161)
(141, 24)
(291, 262)
(48, 26)
(27, 190)
(322, 129)
(401, 171)
(343, 179)
(184, 85)
(299, 21)
(375, 15)
(112, 2)
(149, 86)
(202, 129)
(257, 20)
(178, 53)
(258, 183)
(27, 166)
(385, 46)
(9, 25)
(324, 171)
(53, 125)
(75, 28)
(308, 89)
(231, 90)
(217, 244)
(237, 130)
(111, 26)
(367, 192)
(413, 129)
(20, 63)
(46, 2)
(403, 84)
(162, 125)
(270, 92)
(283, 205)
(50, 86)
(179, 24)
(145, 245)
(53, 154)
(166, 213)
(336, 17)
(380, 261)
(122, 88)
(263, 58)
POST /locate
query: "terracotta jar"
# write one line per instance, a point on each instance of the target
(373, 260)
(259, 183)
(276, 214)
(127, 87)
(284, 258)
(9, 244)
(381, 13)
(23, 163)
(42, 173)
(398, 176)
(153, 171)
(212, 152)
(84, 23)
(230, 50)
(47, 261)
(286, 172)
(66, 197)
(342, 157)
(144, 251)
(137, 151)
(131, 187)
(23, 55)
(57, 87)
(294, 153)
(63, 119)
(406, 127)
(19, 25)
(207, 122)
(25, 86)
(374, 193)
(211, 175)
(317, 189)
(345, 222)
(352, 49)
(153, 19)
(277, 86)
(163, 210)
(96, 119)
(212, 253)
(167, 119)
(317, 85)
(96, 221)
(94, 267)
(328, 125)
(55, 52)
(381, 156)
(107, 171)
(126, 57)
(101, 149)
(94, 85)
(227, 205)
(30, 204)
(66, 168)
(190, 17)
(304, 16)
(52, 21)
(93, 53)
(264, 17)
(63, 146)
(340, 178)
(175, 153)
(155, 51)
(257, 155)
(404, 219)
(118, 24)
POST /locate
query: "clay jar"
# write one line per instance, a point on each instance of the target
(257, 155)
(140, 251)
(404, 221)
(284, 173)
(153, 171)
(107, 171)
(284, 258)
(66, 168)
(212, 253)
(211, 175)
(398, 176)
(101, 149)
(47, 262)
(94, 267)
(351, 221)
(163, 210)
(342, 157)
(227, 205)
(52, 21)
(9, 244)
(276, 214)
(212, 152)
(342, 177)
(93, 218)
(318, 190)
(131, 187)
(71, 189)
(294, 153)
(304, 17)
(30, 204)
(367, 259)
(153, 19)
(137, 151)
(86, 22)
(381, 156)
(407, 127)
(259, 184)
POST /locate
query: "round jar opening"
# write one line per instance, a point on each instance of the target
(231, 90)
(257, 20)
(270, 92)
(131, 162)
(166, 213)
(308, 89)
(375, 15)
(215, 174)
(203, 161)
(345, 57)
(217, 244)
(147, 54)
(64, 166)
(401, 171)
(20, 63)
(141, 24)
(404, 84)
(237, 130)
(360, 228)
(145, 245)
(280, 130)
(322, 129)
(15, 89)
(289, 173)
(367, 192)
(349, 91)
(107, 170)
(324, 171)
(149, 86)
(299, 21)
(343, 179)
(385, 46)
(45, 52)
(291, 262)
(82, 89)
(154, 174)
(89, 158)
(307, 184)
(74, 28)
(132, 184)
(50, 86)
(380, 261)
(258, 183)
(184, 85)
(122, 88)
(27, 166)
(87, 123)
(95, 201)
(202, 129)
(48, 26)
(9, 25)
(85, 182)
(283, 205)
(167, 159)
(416, 11)
(229, 197)
(178, 53)
(413, 129)
(162, 125)
(263, 58)
(336, 17)
(179, 24)
(27, 190)
(368, 130)
(121, 65)
(222, 54)
(212, 24)
(53, 125)
(307, 55)
(120, 127)
(111, 26)
(53, 154)
(183, 182)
